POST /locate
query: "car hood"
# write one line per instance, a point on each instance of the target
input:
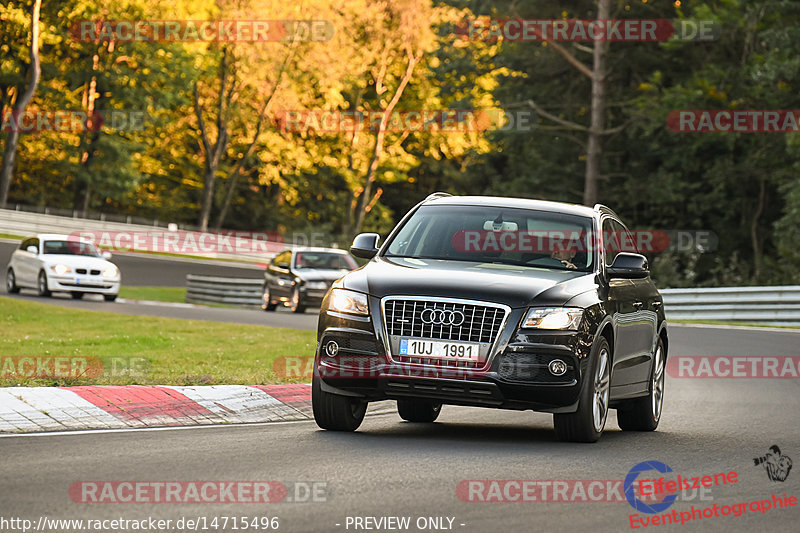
(77, 261)
(315, 274)
(505, 284)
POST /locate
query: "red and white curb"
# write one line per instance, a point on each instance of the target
(36, 409)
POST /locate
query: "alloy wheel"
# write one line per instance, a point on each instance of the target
(601, 385)
(657, 396)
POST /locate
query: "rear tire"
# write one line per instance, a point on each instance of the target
(42, 284)
(334, 412)
(418, 410)
(11, 282)
(109, 297)
(587, 423)
(266, 301)
(76, 295)
(644, 414)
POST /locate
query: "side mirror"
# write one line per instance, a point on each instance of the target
(32, 249)
(628, 266)
(105, 255)
(365, 245)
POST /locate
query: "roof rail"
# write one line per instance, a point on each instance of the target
(436, 195)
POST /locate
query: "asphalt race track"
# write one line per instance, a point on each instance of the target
(391, 468)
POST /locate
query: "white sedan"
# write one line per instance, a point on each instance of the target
(62, 263)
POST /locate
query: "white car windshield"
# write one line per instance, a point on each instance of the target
(69, 248)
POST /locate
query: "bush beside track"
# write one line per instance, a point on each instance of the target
(175, 351)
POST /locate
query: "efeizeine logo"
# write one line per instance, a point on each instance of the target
(630, 482)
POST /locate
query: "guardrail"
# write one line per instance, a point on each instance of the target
(233, 291)
(778, 305)
(755, 305)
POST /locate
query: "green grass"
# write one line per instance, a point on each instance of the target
(159, 294)
(730, 323)
(158, 350)
(11, 236)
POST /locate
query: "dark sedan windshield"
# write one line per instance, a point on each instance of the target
(500, 235)
(324, 260)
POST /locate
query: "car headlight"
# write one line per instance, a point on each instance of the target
(345, 301)
(110, 272)
(553, 318)
(317, 284)
(60, 269)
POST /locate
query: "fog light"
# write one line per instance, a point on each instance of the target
(331, 349)
(557, 367)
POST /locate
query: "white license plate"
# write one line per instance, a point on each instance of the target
(450, 350)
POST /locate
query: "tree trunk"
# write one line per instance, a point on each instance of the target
(594, 146)
(377, 149)
(213, 153)
(10, 150)
(754, 240)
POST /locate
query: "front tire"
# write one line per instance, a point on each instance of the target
(42, 284)
(587, 423)
(418, 410)
(296, 302)
(266, 301)
(109, 297)
(11, 282)
(76, 295)
(644, 414)
(334, 412)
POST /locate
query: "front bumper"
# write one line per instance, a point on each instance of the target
(517, 376)
(87, 284)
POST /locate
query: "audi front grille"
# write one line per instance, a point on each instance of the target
(443, 319)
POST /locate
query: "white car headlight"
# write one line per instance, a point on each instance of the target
(110, 272)
(344, 301)
(60, 269)
(553, 318)
(317, 284)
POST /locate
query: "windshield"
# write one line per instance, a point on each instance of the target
(324, 261)
(497, 235)
(69, 248)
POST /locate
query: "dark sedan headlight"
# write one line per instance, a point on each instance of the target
(351, 302)
(553, 318)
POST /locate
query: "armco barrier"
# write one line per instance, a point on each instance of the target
(756, 305)
(233, 291)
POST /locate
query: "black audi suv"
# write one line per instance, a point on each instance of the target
(496, 302)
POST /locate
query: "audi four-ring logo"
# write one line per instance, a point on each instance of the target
(442, 317)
